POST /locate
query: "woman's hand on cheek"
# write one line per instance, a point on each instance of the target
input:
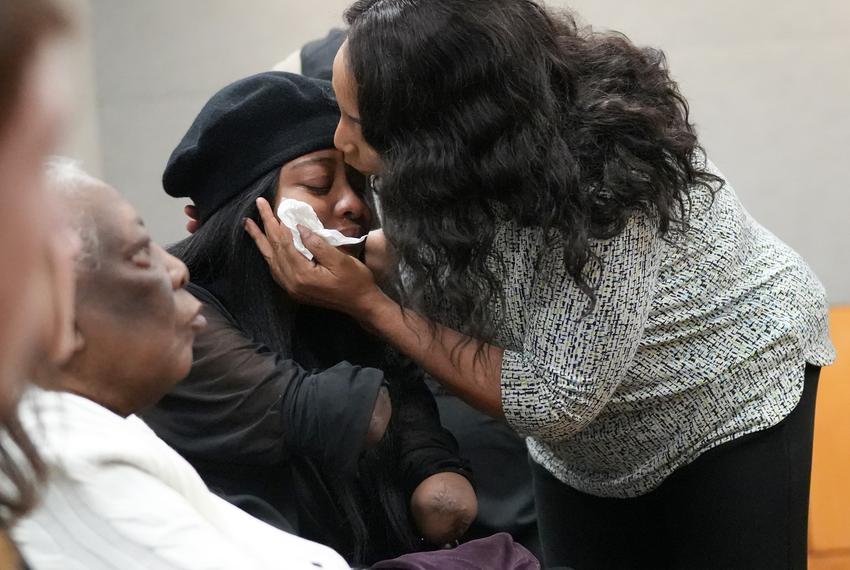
(333, 279)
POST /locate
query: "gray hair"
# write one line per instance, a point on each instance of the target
(67, 180)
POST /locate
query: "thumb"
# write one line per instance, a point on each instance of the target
(324, 254)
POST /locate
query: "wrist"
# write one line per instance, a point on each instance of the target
(370, 309)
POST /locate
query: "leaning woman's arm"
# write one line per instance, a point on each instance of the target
(445, 354)
(340, 282)
(567, 367)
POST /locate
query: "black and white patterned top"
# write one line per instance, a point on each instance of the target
(691, 344)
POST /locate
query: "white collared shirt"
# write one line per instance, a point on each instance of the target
(118, 497)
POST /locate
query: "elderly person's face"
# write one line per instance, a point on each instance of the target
(135, 321)
(28, 136)
(322, 180)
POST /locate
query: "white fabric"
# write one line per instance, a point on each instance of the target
(294, 212)
(118, 497)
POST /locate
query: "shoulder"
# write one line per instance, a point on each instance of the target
(56, 418)
(525, 255)
(77, 437)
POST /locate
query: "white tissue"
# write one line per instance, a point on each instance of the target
(293, 212)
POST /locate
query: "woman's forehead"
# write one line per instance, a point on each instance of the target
(326, 157)
(120, 225)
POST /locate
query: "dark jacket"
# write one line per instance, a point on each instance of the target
(280, 435)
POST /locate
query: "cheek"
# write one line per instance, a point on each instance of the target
(180, 349)
(147, 301)
(319, 204)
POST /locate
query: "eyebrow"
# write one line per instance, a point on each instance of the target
(308, 161)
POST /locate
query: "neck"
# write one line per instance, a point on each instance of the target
(90, 389)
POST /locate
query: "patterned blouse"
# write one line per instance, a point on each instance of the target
(692, 343)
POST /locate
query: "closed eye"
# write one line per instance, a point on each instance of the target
(143, 256)
(318, 190)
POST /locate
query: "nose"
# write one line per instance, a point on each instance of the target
(177, 270)
(351, 206)
(341, 141)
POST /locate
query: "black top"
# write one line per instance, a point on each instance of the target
(275, 433)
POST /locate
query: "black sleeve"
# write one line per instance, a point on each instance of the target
(425, 447)
(243, 403)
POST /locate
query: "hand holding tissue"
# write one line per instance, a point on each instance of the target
(293, 212)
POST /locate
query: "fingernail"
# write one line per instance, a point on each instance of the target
(304, 231)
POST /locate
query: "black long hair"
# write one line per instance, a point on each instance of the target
(486, 111)
(223, 259)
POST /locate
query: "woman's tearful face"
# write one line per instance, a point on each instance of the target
(335, 191)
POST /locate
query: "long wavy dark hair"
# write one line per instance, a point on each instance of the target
(487, 111)
(223, 259)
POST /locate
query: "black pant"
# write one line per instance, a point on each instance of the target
(742, 505)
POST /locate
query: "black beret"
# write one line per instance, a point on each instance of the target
(248, 129)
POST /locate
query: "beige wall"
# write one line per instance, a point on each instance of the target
(768, 83)
(83, 137)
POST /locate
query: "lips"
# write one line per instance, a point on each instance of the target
(351, 231)
(198, 322)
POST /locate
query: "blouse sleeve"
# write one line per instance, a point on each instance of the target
(245, 403)
(569, 364)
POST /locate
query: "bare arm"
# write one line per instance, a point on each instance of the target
(443, 506)
(475, 380)
(568, 364)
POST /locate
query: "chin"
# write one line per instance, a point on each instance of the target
(182, 365)
(183, 369)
